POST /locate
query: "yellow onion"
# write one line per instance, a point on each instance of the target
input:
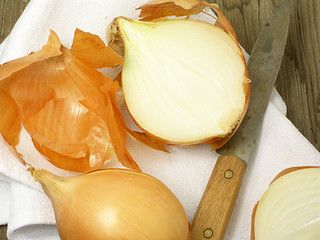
(114, 204)
(290, 207)
(184, 81)
(66, 105)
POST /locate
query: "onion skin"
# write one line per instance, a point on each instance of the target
(281, 174)
(114, 204)
(162, 8)
(68, 107)
(157, 10)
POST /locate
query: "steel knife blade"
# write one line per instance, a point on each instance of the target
(216, 205)
(263, 67)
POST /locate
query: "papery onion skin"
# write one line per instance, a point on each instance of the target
(291, 190)
(65, 104)
(114, 204)
(11, 121)
(151, 10)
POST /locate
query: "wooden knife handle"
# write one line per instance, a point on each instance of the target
(215, 208)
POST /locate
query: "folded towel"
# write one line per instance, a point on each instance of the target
(28, 211)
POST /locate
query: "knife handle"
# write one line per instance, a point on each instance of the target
(216, 205)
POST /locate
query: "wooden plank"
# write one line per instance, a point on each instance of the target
(302, 70)
(3, 232)
(10, 11)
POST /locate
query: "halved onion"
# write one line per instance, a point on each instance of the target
(184, 81)
(290, 207)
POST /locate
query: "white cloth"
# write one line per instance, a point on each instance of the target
(28, 211)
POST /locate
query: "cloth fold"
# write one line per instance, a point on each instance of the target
(28, 211)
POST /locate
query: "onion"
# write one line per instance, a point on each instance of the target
(184, 81)
(66, 105)
(114, 204)
(290, 208)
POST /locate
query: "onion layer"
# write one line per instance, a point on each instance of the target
(114, 204)
(290, 208)
(184, 81)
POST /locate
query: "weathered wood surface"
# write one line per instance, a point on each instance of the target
(299, 78)
(10, 11)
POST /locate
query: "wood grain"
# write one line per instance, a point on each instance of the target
(215, 208)
(297, 82)
(3, 232)
(10, 11)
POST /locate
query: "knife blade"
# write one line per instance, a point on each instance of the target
(216, 205)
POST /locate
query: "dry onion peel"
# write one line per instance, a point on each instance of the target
(290, 207)
(51, 49)
(10, 123)
(93, 52)
(65, 103)
(114, 204)
(162, 8)
(88, 135)
(184, 81)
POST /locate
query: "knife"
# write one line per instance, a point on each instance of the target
(215, 208)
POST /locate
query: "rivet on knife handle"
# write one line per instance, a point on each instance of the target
(215, 208)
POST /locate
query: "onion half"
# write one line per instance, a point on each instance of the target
(184, 81)
(114, 204)
(290, 207)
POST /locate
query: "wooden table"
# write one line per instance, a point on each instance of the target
(299, 78)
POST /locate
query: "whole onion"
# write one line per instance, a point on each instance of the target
(114, 204)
